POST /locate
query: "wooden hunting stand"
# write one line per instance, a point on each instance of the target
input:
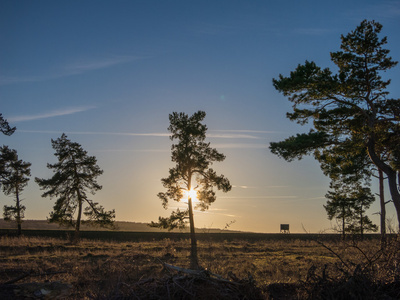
(285, 228)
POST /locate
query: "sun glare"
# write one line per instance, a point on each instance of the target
(190, 194)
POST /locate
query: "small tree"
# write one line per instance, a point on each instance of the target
(5, 127)
(14, 179)
(192, 174)
(338, 207)
(348, 203)
(75, 175)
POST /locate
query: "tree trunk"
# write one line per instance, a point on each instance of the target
(383, 208)
(361, 223)
(394, 192)
(194, 263)
(80, 200)
(18, 205)
(391, 175)
(78, 220)
(343, 222)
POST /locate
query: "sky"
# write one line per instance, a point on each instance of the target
(108, 74)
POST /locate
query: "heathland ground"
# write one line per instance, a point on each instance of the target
(236, 266)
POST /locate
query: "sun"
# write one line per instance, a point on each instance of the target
(192, 194)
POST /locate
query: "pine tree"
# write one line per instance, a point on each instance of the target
(347, 203)
(191, 175)
(75, 175)
(350, 108)
(14, 179)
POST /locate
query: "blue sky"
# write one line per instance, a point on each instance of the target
(108, 73)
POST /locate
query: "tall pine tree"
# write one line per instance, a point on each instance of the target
(191, 175)
(14, 179)
(350, 108)
(74, 176)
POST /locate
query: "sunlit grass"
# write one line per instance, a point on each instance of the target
(96, 267)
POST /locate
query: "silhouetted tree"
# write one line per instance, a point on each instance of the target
(348, 203)
(191, 175)
(348, 108)
(14, 179)
(5, 127)
(338, 207)
(75, 175)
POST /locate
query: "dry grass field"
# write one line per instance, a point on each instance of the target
(47, 268)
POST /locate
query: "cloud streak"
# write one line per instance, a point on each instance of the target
(82, 67)
(51, 114)
(96, 133)
(149, 134)
(261, 197)
(240, 146)
(73, 69)
(243, 131)
(243, 187)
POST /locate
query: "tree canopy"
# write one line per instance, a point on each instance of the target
(74, 176)
(193, 158)
(350, 109)
(5, 128)
(15, 176)
(347, 202)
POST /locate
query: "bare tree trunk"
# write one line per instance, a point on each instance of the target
(394, 192)
(78, 220)
(361, 223)
(18, 205)
(383, 208)
(194, 263)
(343, 222)
(391, 175)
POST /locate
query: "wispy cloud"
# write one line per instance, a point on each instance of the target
(153, 134)
(238, 134)
(70, 69)
(135, 150)
(243, 131)
(50, 114)
(260, 197)
(243, 187)
(98, 133)
(240, 146)
(232, 136)
(85, 66)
